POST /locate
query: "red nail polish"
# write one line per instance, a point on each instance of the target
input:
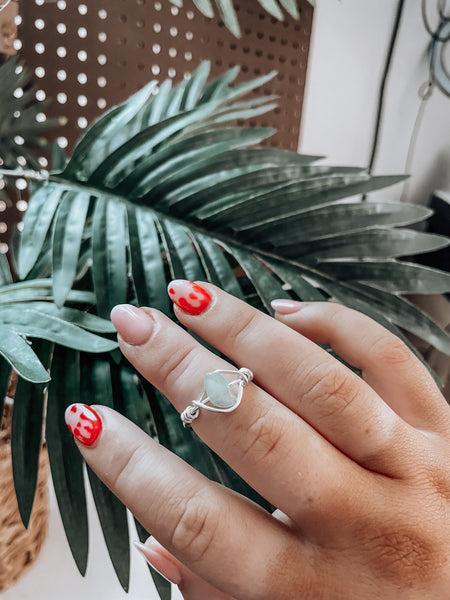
(189, 296)
(83, 422)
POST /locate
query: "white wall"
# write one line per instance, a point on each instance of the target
(348, 52)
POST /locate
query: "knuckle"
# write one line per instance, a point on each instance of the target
(391, 350)
(180, 360)
(242, 328)
(404, 554)
(330, 388)
(263, 436)
(129, 465)
(195, 526)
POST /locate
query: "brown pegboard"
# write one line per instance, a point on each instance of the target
(90, 55)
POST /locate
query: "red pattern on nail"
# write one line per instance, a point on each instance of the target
(190, 297)
(84, 423)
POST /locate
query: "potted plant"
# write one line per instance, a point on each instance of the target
(167, 186)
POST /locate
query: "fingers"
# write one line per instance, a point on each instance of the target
(303, 376)
(388, 366)
(208, 528)
(262, 440)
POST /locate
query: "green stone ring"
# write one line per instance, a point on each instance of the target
(222, 392)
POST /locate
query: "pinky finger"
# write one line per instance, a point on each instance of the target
(191, 585)
(387, 365)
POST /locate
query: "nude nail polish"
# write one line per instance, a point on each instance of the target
(190, 297)
(158, 561)
(286, 307)
(134, 325)
(84, 423)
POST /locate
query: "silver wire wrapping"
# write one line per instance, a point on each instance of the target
(220, 402)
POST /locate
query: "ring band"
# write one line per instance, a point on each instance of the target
(222, 392)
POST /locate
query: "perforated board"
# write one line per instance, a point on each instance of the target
(89, 56)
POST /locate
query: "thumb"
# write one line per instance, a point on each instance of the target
(190, 585)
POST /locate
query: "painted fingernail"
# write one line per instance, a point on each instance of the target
(133, 324)
(286, 307)
(189, 296)
(83, 422)
(154, 554)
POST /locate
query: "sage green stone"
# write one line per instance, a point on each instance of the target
(218, 392)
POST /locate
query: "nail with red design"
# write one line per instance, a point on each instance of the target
(83, 422)
(188, 296)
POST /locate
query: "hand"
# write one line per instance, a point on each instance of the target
(357, 468)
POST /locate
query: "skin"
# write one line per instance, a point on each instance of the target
(357, 467)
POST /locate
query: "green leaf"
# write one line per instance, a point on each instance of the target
(5, 271)
(90, 148)
(229, 17)
(18, 117)
(195, 86)
(68, 232)
(37, 324)
(375, 242)
(185, 156)
(66, 463)
(265, 284)
(5, 375)
(218, 87)
(39, 215)
(74, 316)
(393, 276)
(156, 107)
(96, 388)
(20, 356)
(316, 187)
(26, 433)
(117, 165)
(216, 266)
(146, 260)
(300, 286)
(291, 7)
(205, 7)
(181, 253)
(39, 289)
(271, 6)
(109, 270)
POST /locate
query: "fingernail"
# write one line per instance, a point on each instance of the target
(133, 324)
(151, 551)
(188, 296)
(286, 307)
(83, 422)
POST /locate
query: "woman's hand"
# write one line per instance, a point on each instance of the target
(357, 468)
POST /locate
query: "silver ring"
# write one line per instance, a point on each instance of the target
(222, 392)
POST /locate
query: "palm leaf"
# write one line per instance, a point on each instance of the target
(177, 191)
(66, 463)
(21, 129)
(227, 11)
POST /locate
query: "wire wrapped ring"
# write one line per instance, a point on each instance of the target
(222, 392)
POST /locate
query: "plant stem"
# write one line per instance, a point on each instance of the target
(33, 175)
